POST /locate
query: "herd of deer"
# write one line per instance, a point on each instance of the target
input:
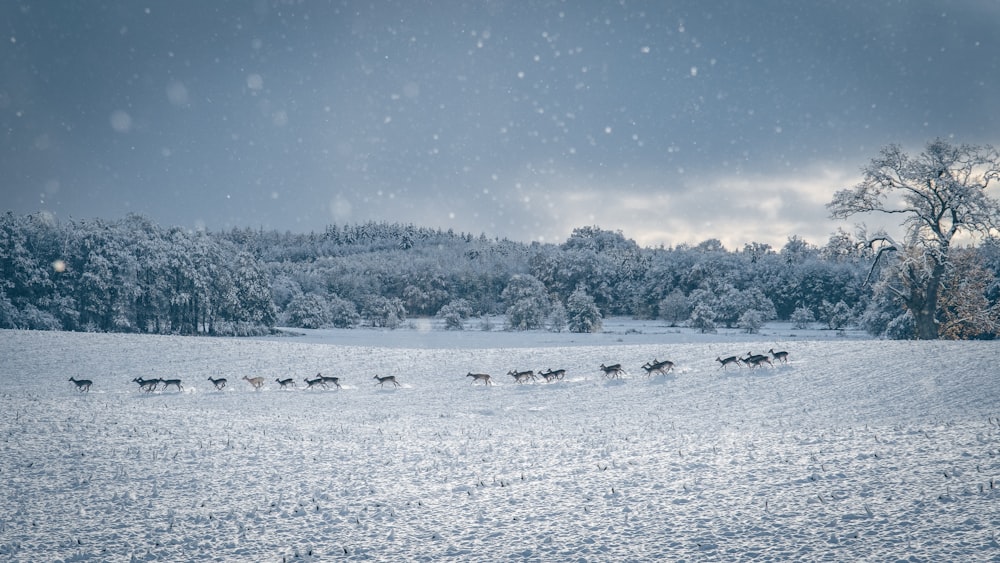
(614, 371)
(754, 360)
(149, 385)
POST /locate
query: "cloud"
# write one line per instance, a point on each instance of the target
(735, 209)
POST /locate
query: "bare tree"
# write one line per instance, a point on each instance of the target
(940, 194)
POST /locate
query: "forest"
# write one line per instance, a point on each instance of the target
(132, 275)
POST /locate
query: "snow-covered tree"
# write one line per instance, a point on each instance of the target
(527, 302)
(837, 315)
(584, 316)
(10, 317)
(702, 318)
(966, 312)
(675, 307)
(383, 311)
(940, 193)
(558, 317)
(802, 318)
(343, 313)
(455, 313)
(751, 321)
(283, 290)
(309, 311)
(729, 303)
(901, 327)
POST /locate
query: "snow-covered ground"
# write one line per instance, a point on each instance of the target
(855, 450)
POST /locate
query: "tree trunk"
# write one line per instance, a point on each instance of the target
(923, 303)
(927, 327)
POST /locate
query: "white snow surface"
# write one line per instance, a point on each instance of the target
(854, 450)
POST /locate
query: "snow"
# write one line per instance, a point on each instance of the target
(855, 450)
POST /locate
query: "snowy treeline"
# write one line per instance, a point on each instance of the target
(132, 275)
(572, 285)
(127, 276)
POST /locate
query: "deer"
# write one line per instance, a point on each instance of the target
(324, 379)
(657, 366)
(255, 382)
(175, 382)
(724, 362)
(756, 360)
(220, 383)
(284, 383)
(147, 385)
(781, 356)
(551, 375)
(521, 376)
(383, 379)
(612, 371)
(82, 385)
(484, 377)
(310, 383)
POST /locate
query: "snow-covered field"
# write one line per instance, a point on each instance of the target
(854, 450)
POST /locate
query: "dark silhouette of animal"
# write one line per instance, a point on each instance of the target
(781, 356)
(553, 375)
(521, 376)
(724, 362)
(383, 379)
(175, 382)
(657, 366)
(82, 385)
(329, 379)
(484, 377)
(147, 385)
(612, 371)
(756, 360)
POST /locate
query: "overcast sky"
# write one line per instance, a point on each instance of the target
(672, 121)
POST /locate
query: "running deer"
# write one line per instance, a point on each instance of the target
(175, 382)
(383, 379)
(147, 385)
(657, 366)
(324, 379)
(612, 371)
(779, 356)
(756, 360)
(255, 382)
(82, 385)
(484, 377)
(220, 383)
(284, 383)
(551, 375)
(724, 362)
(521, 376)
(310, 383)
